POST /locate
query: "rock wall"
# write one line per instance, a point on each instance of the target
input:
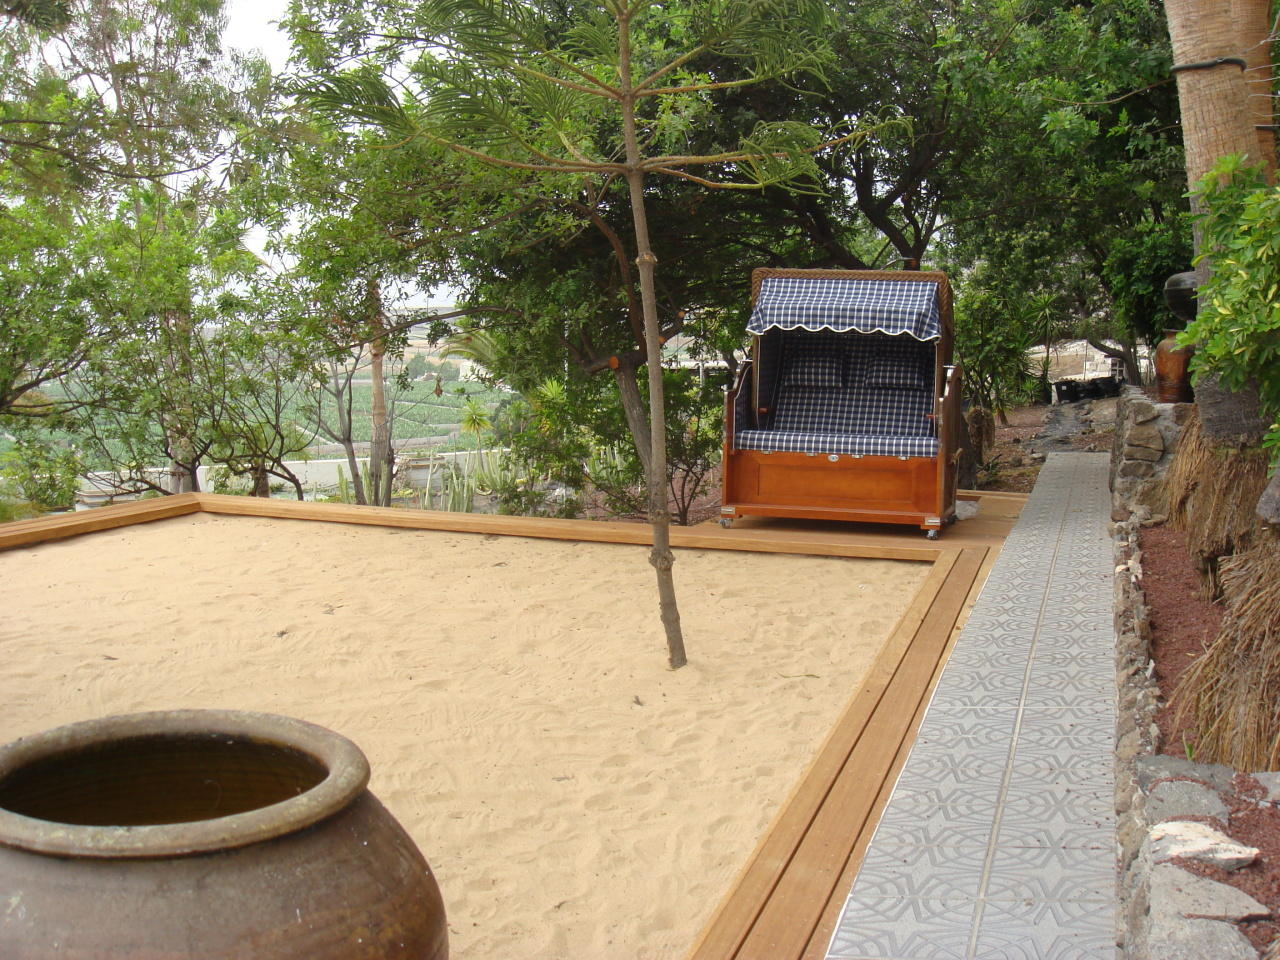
(1167, 912)
(1145, 440)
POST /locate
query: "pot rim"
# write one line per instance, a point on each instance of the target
(346, 779)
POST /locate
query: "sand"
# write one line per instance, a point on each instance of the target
(575, 797)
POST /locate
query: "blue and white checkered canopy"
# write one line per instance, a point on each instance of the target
(862, 306)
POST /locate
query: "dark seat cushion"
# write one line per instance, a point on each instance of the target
(867, 445)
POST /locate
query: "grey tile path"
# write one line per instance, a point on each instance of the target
(999, 838)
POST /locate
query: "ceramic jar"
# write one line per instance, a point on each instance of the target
(210, 834)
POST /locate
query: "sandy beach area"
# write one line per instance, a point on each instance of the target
(575, 798)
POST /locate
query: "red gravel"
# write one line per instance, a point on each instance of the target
(1183, 623)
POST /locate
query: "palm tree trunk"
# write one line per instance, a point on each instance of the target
(1217, 117)
(1253, 27)
(1214, 105)
(659, 515)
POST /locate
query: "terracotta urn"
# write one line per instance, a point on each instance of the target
(1173, 370)
(1172, 362)
(205, 833)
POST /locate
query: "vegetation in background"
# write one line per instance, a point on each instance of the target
(1237, 332)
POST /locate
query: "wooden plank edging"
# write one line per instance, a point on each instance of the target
(22, 533)
(776, 905)
(29, 532)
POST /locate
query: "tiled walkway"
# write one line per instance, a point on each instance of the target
(998, 840)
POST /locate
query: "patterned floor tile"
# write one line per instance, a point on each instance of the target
(1054, 930)
(1069, 765)
(1057, 816)
(952, 728)
(875, 928)
(936, 825)
(1051, 873)
(912, 872)
(998, 841)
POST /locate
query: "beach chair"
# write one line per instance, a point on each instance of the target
(849, 406)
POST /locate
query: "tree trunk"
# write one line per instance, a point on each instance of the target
(1253, 28)
(380, 446)
(342, 401)
(1214, 104)
(659, 515)
(634, 409)
(1126, 353)
(261, 482)
(378, 413)
(1216, 118)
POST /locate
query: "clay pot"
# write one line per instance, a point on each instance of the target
(1173, 372)
(205, 833)
(1180, 295)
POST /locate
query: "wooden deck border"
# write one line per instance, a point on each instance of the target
(787, 898)
(43, 529)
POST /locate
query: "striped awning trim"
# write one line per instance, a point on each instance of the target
(842, 305)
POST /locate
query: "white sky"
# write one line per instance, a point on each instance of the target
(253, 25)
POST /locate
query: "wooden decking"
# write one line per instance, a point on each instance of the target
(786, 900)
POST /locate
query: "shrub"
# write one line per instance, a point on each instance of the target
(1237, 330)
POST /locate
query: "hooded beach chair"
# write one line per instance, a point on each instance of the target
(849, 406)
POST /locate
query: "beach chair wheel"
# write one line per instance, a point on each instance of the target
(931, 534)
(726, 522)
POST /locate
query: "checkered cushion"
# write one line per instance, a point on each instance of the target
(884, 372)
(845, 304)
(815, 410)
(814, 359)
(881, 408)
(870, 445)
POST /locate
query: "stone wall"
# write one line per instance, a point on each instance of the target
(1167, 912)
(1145, 440)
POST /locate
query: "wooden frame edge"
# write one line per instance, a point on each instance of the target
(726, 933)
(23, 533)
(43, 529)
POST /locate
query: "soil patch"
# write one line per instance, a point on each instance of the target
(1183, 624)
(1015, 458)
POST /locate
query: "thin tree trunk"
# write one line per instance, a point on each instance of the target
(342, 399)
(633, 408)
(379, 447)
(378, 413)
(659, 515)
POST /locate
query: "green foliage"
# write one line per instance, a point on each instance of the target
(40, 473)
(417, 367)
(992, 345)
(1236, 332)
(571, 435)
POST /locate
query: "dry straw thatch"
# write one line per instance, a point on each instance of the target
(1233, 691)
(1210, 492)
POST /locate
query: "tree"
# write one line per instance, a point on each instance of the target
(526, 87)
(1218, 122)
(58, 311)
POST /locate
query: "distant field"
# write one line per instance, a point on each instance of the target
(418, 411)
